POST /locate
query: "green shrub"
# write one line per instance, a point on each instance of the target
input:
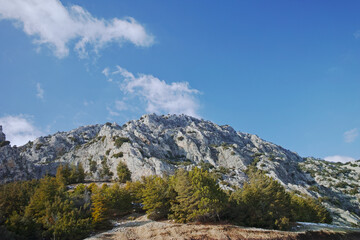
(120, 140)
(38, 146)
(205, 165)
(314, 188)
(105, 171)
(341, 185)
(118, 155)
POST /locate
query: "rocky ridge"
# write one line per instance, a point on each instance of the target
(161, 144)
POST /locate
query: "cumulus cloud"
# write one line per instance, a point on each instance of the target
(39, 91)
(19, 129)
(55, 25)
(351, 135)
(158, 95)
(338, 158)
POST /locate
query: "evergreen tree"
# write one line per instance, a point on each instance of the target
(262, 202)
(99, 209)
(123, 172)
(199, 197)
(156, 197)
(307, 209)
(118, 201)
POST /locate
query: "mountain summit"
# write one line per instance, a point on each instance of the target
(161, 144)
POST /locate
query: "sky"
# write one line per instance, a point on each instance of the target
(287, 71)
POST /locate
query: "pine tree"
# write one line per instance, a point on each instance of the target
(123, 172)
(156, 197)
(262, 202)
(307, 209)
(199, 197)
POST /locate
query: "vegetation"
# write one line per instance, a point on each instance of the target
(262, 202)
(72, 174)
(123, 172)
(198, 196)
(118, 155)
(4, 143)
(120, 140)
(105, 171)
(47, 209)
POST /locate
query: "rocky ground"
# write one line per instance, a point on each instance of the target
(143, 228)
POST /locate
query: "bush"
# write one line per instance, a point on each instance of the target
(120, 140)
(118, 155)
(105, 171)
(205, 165)
(314, 188)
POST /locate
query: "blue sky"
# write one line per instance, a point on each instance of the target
(287, 71)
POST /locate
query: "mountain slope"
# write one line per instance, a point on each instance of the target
(161, 144)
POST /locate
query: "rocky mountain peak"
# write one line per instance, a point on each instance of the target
(157, 144)
(2, 135)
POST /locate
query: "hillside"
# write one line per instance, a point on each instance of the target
(161, 144)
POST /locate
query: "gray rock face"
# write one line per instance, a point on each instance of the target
(161, 144)
(2, 135)
(14, 167)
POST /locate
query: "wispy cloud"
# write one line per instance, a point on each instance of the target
(120, 105)
(106, 72)
(88, 103)
(351, 135)
(19, 129)
(39, 91)
(158, 95)
(338, 158)
(112, 112)
(55, 25)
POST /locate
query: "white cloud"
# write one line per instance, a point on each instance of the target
(351, 135)
(19, 129)
(106, 72)
(338, 158)
(111, 112)
(39, 91)
(159, 96)
(87, 103)
(55, 25)
(120, 105)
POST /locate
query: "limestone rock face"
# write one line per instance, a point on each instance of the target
(2, 135)
(14, 167)
(161, 144)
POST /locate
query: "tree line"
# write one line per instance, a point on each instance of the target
(48, 209)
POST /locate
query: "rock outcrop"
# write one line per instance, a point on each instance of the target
(161, 144)
(2, 135)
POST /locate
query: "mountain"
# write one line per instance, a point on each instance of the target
(161, 144)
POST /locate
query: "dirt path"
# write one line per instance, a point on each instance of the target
(143, 228)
